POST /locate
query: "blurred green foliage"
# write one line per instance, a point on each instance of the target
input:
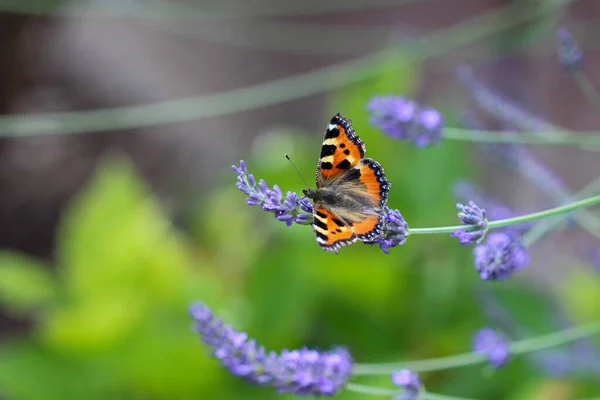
(111, 322)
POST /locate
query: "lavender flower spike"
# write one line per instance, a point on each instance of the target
(404, 119)
(491, 344)
(409, 382)
(289, 210)
(396, 231)
(471, 214)
(500, 256)
(568, 51)
(303, 372)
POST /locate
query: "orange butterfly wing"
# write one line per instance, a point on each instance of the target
(342, 149)
(376, 190)
(332, 233)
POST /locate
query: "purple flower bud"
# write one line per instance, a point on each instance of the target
(396, 231)
(306, 205)
(409, 382)
(404, 119)
(491, 344)
(500, 255)
(568, 51)
(471, 215)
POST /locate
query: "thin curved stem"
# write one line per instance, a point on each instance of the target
(588, 89)
(377, 391)
(555, 138)
(461, 360)
(590, 201)
(589, 220)
(269, 93)
(189, 11)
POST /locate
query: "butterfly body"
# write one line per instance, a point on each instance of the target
(351, 192)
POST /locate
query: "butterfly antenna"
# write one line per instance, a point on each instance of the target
(297, 170)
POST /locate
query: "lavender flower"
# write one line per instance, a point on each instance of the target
(500, 107)
(303, 372)
(568, 51)
(404, 119)
(409, 382)
(471, 215)
(500, 255)
(491, 344)
(396, 231)
(289, 210)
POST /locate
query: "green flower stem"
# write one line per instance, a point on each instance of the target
(588, 220)
(537, 174)
(587, 88)
(275, 91)
(461, 360)
(590, 201)
(556, 138)
(377, 391)
(373, 390)
(435, 396)
(168, 10)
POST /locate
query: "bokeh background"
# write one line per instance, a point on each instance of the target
(112, 223)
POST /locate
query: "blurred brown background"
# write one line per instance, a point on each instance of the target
(58, 63)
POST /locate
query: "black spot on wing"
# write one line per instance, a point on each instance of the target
(337, 222)
(332, 133)
(326, 165)
(347, 152)
(320, 235)
(342, 145)
(320, 223)
(327, 150)
(345, 164)
(320, 214)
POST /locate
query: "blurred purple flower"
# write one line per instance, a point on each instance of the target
(289, 210)
(568, 51)
(396, 231)
(303, 372)
(404, 119)
(491, 344)
(409, 382)
(500, 107)
(500, 255)
(471, 214)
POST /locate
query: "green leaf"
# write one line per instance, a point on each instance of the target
(26, 284)
(116, 237)
(580, 292)
(121, 262)
(30, 372)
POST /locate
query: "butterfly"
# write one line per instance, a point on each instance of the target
(352, 190)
